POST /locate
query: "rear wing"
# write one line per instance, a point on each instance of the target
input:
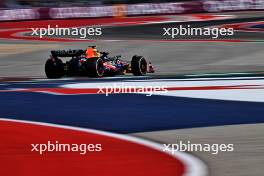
(67, 53)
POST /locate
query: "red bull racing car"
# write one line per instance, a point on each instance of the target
(103, 65)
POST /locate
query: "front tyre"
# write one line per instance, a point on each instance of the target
(139, 66)
(95, 67)
(54, 68)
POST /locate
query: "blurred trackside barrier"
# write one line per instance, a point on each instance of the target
(197, 6)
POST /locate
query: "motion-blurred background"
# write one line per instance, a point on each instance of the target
(65, 3)
(49, 9)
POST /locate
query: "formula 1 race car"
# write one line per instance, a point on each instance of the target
(80, 65)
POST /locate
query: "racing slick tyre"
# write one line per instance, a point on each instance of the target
(54, 68)
(138, 66)
(95, 67)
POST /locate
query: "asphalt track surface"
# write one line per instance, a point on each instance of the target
(168, 58)
(156, 31)
(27, 58)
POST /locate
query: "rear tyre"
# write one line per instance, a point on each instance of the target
(54, 68)
(95, 67)
(139, 66)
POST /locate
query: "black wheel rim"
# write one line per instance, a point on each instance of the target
(100, 68)
(143, 66)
